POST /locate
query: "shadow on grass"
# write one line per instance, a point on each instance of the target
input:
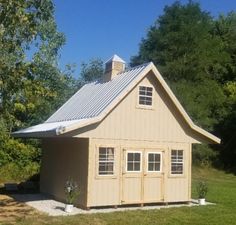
(11, 210)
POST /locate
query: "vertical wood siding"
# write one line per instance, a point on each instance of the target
(115, 190)
(61, 159)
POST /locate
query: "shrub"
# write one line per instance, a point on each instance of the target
(203, 155)
(15, 173)
(71, 191)
(202, 189)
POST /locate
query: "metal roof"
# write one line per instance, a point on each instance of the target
(93, 98)
(85, 106)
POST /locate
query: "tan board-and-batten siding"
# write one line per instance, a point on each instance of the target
(112, 190)
(62, 159)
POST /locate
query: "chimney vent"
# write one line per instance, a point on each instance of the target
(113, 66)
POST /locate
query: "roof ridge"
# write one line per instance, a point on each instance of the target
(125, 71)
(135, 67)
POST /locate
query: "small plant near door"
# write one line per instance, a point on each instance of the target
(71, 192)
(202, 190)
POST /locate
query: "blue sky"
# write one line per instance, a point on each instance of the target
(101, 28)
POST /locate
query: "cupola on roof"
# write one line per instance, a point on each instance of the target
(113, 66)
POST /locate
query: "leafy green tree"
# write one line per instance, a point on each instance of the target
(20, 21)
(227, 129)
(196, 54)
(225, 30)
(181, 44)
(92, 70)
(30, 87)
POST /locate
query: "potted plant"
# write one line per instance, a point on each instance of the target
(71, 193)
(202, 190)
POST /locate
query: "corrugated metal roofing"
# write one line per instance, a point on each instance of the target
(93, 98)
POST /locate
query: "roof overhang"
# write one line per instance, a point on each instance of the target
(54, 129)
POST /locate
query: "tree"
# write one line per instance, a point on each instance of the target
(48, 87)
(92, 70)
(31, 87)
(196, 54)
(20, 21)
(181, 44)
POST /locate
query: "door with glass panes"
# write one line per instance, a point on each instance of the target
(142, 177)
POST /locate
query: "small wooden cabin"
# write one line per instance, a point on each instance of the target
(125, 139)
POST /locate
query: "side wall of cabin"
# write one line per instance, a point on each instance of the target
(64, 158)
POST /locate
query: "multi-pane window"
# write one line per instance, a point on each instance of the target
(145, 95)
(133, 161)
(106, 161)
(177, 161)
(154, 162)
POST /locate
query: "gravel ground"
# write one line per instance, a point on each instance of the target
(55, 208)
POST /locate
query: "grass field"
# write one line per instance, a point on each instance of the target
(222, 191)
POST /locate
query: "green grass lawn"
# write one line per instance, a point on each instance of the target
(222, 191)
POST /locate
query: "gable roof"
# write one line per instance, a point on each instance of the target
(95, 100)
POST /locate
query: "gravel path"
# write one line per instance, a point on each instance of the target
(55, 208)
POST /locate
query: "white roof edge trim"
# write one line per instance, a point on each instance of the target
(47, 129)
(181, 109)
(76, 126)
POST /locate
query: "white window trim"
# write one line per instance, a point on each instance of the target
(126, 161)
(160, 153)
(145, 106)
(106, 175)
(183, 172)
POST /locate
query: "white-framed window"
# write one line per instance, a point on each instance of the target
(177, 161)
(133, 161)
(106, 161)
(145, 95)
(154, 162)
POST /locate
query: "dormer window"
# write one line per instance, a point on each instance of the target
(145, 95)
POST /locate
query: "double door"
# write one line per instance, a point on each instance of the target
(143, 176)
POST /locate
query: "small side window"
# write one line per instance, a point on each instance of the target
(145, 95)
(106, 161)
(133, 160)
(177, 161)
(154, 162)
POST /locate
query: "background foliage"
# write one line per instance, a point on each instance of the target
(196, 54)
(31, 84)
